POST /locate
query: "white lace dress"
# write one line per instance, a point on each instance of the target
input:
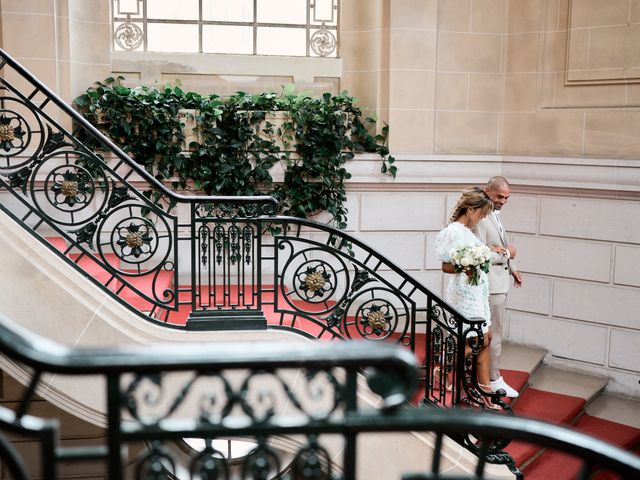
(470, 300)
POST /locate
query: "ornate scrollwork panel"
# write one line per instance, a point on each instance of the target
(441, 316)
(209, 464)
(312, 461)
(234, 210)
(257, 395)
(157, 463)
(263, 462)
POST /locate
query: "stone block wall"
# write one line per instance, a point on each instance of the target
(578, 254)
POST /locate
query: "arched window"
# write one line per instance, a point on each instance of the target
(305, 28)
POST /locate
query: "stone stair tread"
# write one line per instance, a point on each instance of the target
(552, 462)
(542, 405)
(616, 409)
(145, 285)
(58, 243)
(520, 357)
(548, 406)
(94, 269)
(567, 382)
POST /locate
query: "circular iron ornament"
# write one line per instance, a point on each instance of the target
(134, 240)
(323, 42)
(70, 188)
(128, 36)
(17, 132)
(315, 281)
(70, 194)
(378, 315)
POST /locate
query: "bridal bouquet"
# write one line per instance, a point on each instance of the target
(473, 258)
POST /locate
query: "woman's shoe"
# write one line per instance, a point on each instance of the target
(486, 400)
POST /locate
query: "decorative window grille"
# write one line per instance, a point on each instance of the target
(251, 27)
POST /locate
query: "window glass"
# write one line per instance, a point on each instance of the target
(127, 7)
(173, 10)
(248, 27)
(227, 39)
(167, 37)
(324, 12)
(282, 11)
(282, 41)
(230, 449)
(228, 10)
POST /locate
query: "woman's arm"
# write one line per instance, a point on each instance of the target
(448, 268)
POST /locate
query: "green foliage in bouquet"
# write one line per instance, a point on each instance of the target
(237, 141)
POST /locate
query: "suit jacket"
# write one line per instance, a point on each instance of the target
(488, 232)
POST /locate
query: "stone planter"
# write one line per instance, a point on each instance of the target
(187, 116)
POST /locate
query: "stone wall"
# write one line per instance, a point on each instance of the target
(578, 255)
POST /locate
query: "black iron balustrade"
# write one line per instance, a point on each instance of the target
(310, 394)
(201, 262)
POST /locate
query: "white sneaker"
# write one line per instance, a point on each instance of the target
(500, 384)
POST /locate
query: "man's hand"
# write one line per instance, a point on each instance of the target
(512, 251)
(498, 249)
(517, 279)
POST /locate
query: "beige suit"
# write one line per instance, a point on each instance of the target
(488, 231)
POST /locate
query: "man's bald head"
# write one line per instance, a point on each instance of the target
(498, 182)
(498, 190)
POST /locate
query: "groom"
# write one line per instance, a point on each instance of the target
(491, 231)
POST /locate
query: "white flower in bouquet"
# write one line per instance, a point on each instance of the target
(474, 258)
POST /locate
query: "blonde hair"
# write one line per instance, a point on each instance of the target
(472, 197)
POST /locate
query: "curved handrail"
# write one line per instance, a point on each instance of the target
(390, 372)
(104, 140)
(45, 355)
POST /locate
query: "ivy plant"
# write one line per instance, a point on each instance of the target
(238, 142)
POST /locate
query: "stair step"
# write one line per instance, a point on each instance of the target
(58, 243)
(542, 405)
(97, 271)
(520, 358)
(145, 285)
(567, 382)
(515, 379)
(616, 409)
(554, 464)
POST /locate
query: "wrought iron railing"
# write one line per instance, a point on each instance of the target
(201, 262)
(310, 394)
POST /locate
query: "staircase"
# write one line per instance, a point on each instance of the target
(546, 393)
(566, 398)
(210, 263)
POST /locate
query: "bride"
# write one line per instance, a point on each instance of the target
(472, 301)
